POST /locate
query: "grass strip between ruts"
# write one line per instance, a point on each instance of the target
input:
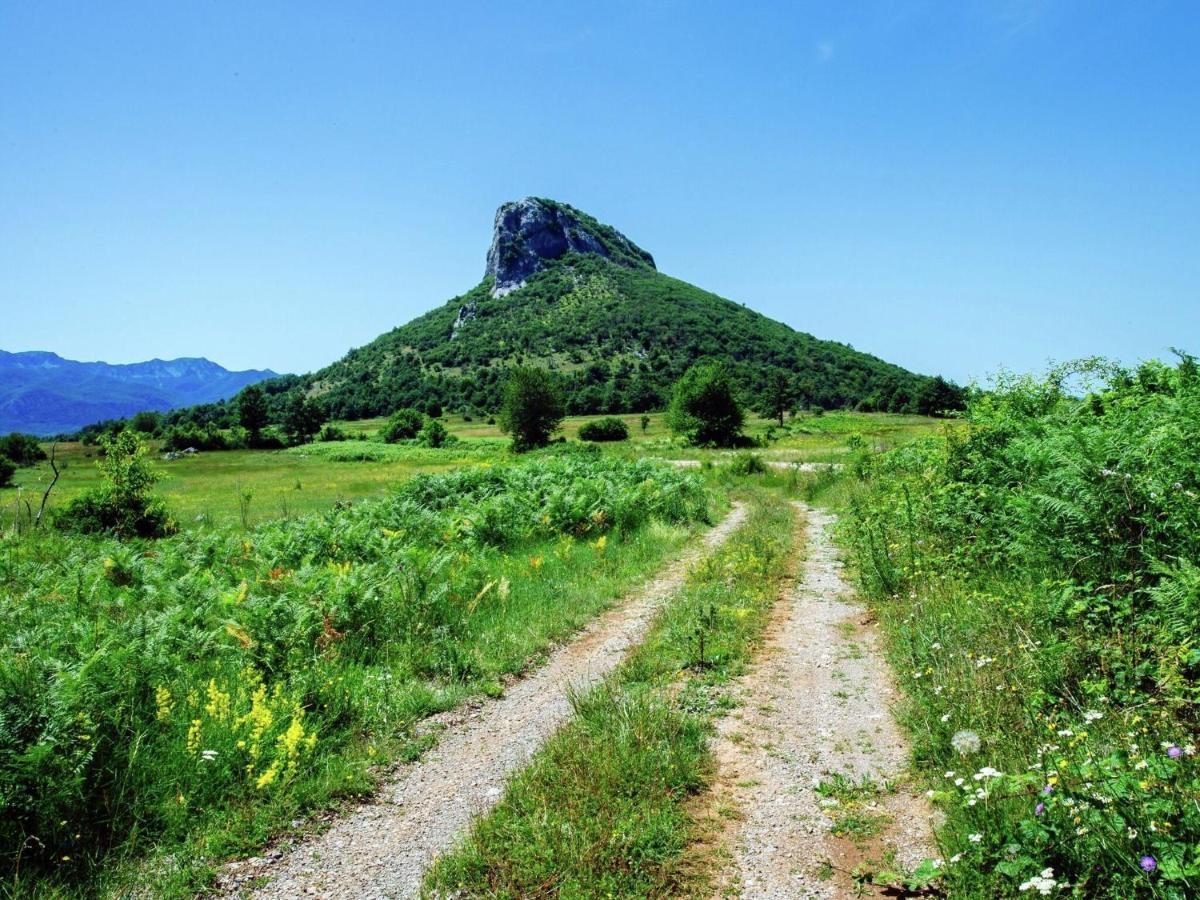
(603, 808)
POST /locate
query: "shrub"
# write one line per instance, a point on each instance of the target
(747, 464)
(532, 408)
(22, 449)
(434, 434)
(704, 408)
(332, 433)
(122, 505)
(609, 428)
(182, 437)
(403, 425)
(8, 468)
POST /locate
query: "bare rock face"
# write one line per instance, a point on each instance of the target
(532, 231)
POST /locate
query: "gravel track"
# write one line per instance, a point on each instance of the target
(383, 847)
(773, 463)
(816, 703)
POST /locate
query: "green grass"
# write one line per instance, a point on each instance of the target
(204, 489)
(604, 808)
(167, 704)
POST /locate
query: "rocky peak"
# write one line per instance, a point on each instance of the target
(532, 231)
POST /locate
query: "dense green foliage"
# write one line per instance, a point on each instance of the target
(222, 677)
(624, 334)
(602, 810)
(22, 449)
(433, 434)
(531, 408)
(1038, 574)
(403, 425)
(122, 504)
(610, 428)
(705, 409)
(253, 413)
(8, 468)
(302, 419)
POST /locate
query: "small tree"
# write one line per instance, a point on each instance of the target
(645, 423)
(122, 504)
(531, 408)
(403, 425)
(253, 414)
(8, 468)
(704, 408)
(302, 419)
(779, 394)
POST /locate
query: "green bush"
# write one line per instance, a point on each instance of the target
(434, 434)
(8, 468)
(403, 425)
(609, 428)
(331, 433)
(122, 505)
(209, 438)
(704, 409)
(1036, 572)
(747, 464)
(22, 449)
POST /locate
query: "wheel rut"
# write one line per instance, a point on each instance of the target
(382, 848)
(815, 711)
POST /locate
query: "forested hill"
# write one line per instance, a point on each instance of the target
(566, 292)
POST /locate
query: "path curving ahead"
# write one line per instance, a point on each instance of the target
(383, 848)
(816, 704)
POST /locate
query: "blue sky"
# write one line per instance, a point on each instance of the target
(953, 186)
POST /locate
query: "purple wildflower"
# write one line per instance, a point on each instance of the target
(1048, 789)
(1039, 809)
(1148, 864)
(1174, 752)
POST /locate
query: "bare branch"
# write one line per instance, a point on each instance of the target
(46, 496)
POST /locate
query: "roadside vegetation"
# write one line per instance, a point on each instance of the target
(606, 807)
(165, 703)
(1036, 574)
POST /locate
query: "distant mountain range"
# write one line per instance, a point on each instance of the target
(41, 393)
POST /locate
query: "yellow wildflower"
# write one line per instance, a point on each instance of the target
(162, 703)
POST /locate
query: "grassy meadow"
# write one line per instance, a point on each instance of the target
(211, 488)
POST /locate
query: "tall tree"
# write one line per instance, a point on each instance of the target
(778, 397)
(532, 408)
(705, 408)
(252, 410)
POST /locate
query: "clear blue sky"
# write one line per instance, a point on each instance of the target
(953, 186)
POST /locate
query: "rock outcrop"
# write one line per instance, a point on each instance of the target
(532, 231)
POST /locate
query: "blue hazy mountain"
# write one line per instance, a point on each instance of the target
(42, 393)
